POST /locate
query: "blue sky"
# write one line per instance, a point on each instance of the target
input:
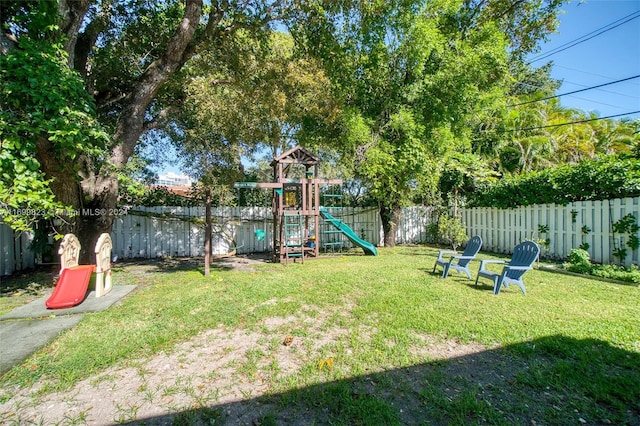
(610, 56)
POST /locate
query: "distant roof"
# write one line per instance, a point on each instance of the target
(181, 190)
(297, 155)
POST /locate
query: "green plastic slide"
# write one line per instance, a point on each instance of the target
(369, 249)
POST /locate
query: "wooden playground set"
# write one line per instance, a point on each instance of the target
(297, 210)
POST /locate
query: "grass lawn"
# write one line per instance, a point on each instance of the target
(346, 339)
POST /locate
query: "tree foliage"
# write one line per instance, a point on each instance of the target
(45, 113)
(261, 95)
(536, 135)
(121, 56)
(451, 231)
(415, 77)
(461, 176)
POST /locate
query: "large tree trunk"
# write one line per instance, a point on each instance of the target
(91, 197)
(72, 13)
(99, 210)
(93, 191)
(390, 216)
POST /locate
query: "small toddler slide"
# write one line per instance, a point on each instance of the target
(71, 288)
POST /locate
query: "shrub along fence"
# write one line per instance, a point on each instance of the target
(149, 232)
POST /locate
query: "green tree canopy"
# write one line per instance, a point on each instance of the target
(77, 71)
(415, 77)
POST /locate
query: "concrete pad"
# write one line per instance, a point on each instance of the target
(30, 327)
(37, 308)
(19, 339)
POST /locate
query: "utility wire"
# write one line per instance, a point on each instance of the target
(588, 36)
(587, 120)
(576, 91)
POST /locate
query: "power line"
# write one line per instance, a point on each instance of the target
(588, 36)
(576, 91)
(579, 84)
(586, 120)
(587, 99)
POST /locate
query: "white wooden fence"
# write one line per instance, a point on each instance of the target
(564, 228)
(14, 251)
(150, 232)
(179, 231)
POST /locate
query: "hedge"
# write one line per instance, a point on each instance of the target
(597, 179)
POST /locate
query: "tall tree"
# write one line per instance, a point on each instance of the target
(116, 57)
(537, 135)
(252, 93)
(616, 136)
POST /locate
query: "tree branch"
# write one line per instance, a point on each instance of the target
(7, 42)
(72, 13)
(87, 38)
(215, 17)
(180, 48)
(161, 119)
(217, 81)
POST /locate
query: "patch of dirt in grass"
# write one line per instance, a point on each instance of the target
(217, 368)
(242, 262)
(229, 375)
(435, 348)
(133, 271)
(198, 373)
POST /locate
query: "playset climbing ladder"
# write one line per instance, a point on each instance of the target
(292, 236)
(331, 199)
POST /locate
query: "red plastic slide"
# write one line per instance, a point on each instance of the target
(71, 288)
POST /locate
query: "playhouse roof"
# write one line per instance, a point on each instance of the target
(297, 155)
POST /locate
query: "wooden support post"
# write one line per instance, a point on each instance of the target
(207, 233)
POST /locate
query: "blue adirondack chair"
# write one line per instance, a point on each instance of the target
(524, 254)
(461, 260)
